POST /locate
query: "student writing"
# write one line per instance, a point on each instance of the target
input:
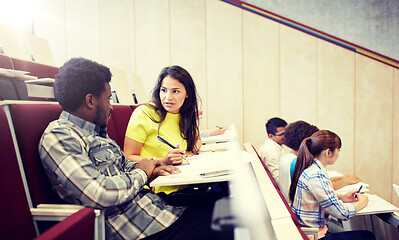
(311, 192)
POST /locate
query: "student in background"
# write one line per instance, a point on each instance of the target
(294, 134)
(172, 115)
(271, 150)
(311, 193)
(88, 168)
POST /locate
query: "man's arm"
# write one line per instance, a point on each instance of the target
(65, 156)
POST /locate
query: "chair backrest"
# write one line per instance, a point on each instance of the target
(5, 62)
(119, 120)
(30, 121)
(79, 225)
(40, 50)
(34, 69)
(15, 218)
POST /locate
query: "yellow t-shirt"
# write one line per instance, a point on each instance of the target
(142, 129)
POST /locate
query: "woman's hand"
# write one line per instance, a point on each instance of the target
(174, 157)
(349, 196)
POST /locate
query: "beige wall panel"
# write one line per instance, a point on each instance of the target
(152, 39)
(82, 29)
(373, 126)
(13, 42)
(395, 164)
(49, 23)
(298, 75)
(224, 65)
(261, 75)
(336, 99)
(188, 44)
(117, 34)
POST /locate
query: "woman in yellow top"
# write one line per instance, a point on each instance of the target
(172, 115)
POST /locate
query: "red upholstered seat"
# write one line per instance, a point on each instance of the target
(15, 211)
(5, 62)
(79, 225)
(118, 123)
(16, 221)
(35, 69)
(30, 120)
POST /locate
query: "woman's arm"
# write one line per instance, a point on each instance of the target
(132, 150)
(358, 200)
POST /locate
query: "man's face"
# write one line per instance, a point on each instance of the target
(103, 107)
(278, 137)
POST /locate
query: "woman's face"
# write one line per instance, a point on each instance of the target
(172, 94)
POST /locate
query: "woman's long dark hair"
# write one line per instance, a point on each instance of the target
(188, 112)
(310, 148)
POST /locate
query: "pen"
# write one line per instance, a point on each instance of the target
(358, 191)
(167, 143)
(215, 173)
(219, 127)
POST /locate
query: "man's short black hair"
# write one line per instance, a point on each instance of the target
(274, 123)
(77, 78)
(297, 131)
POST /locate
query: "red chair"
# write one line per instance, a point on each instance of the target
(5, 61)
(16, 220)
(79, 225)
(118, 123)
(34, 69)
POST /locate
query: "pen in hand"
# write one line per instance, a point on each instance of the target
(358, 191)
(167, 143)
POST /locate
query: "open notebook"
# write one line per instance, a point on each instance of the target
(377, 205)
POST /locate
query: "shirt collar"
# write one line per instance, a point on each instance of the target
(92, 128)
(319, 164)
(274, 143)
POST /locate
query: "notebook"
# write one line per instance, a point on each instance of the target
(377, 205)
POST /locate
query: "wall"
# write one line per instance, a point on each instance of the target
(247, 69)
(371, 24)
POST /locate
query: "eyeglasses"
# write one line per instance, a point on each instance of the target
(280, 135)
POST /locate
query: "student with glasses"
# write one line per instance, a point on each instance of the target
(271, 150)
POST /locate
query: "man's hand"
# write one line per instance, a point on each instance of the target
(163, 171)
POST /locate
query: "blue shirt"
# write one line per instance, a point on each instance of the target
(88, 168)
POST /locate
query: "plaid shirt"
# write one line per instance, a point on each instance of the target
(315, 199)
(86, 167)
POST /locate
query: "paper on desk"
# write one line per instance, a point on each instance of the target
(353, 187)
(377, 205)
(190, 173)
(226, 136)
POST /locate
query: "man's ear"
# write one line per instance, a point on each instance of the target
(271, 136)
(89, 101)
